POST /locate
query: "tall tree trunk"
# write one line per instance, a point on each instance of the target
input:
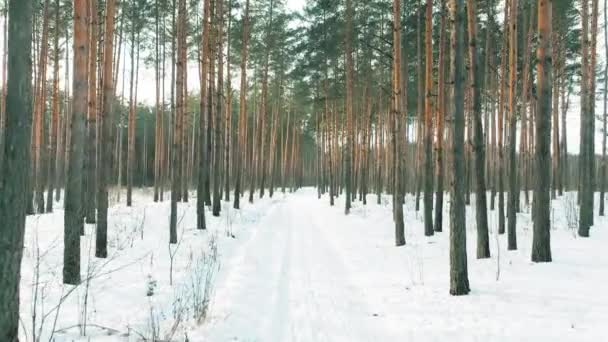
(40, 108)
(105, 139)
(428, 122)
(178, 119)
(459, 279)
(73, 198)
(592, 97)
(202, 168)
(3, 91)
(397, 117)
(217, 162)
(586, 192)
(502, 124)
(513, 188)
(440, 113)
(240, 150)
(524, 146)
(348, 150)
(52, 150)
(556, 186)
(210, 104)
(541, 240)
(132, 109)
(158, 128)
(604, 118)
(92, 117)
(14, 172)
(228, 109)
(481, 209)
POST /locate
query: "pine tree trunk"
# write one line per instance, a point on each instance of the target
(73, 196)
(586, 192)
(202, 168)
(132, 109)
(40, 108)
(555, 179)
(604, 119)
(348, 165)
(3, 91)
(228, 130)
(513, 188)
(397, 118)
(592, 118)
(459, 280)
(501, 125)
(176, 187)
(524, 146)
(481, 210)
(158, 128)
(428, 122)
(541, 240)
(14, 171)
(217, 162)
(440, 115)
(210, 105)
(91, 158)
(105, 139)
(52, 150)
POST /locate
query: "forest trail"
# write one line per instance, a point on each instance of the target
(290, 282)
(306, 272)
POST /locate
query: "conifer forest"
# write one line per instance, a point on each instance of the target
(303, 170)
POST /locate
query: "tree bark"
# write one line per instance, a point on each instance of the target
(459, 280)
(440, 113)
(397, 117)
(240, 149)
(52, 149)
(513, 188)
(348, 151)
(92, 117)
(604, 119)
(105, 139)
(586, 192)
(428, 122)
(14, 172)
(73, 196)
(481, 210)
(217, 163)
(541, 240)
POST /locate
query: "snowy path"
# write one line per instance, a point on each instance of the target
(308, 273)
(289, 283)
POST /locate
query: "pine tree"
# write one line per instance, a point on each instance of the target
(428, 122)
(397, 118)
(481, 209)
(73, 196)
(459, 279)
(541, 240)
(348, 149)
(14, 171)
(513, 188)
(105, 138)
(91, 158)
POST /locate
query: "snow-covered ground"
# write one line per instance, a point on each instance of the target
(292, 268)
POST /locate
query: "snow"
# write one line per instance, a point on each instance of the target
(292, 268)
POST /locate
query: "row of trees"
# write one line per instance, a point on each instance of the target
(432, 63)
(355, 96)
(84, 138)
